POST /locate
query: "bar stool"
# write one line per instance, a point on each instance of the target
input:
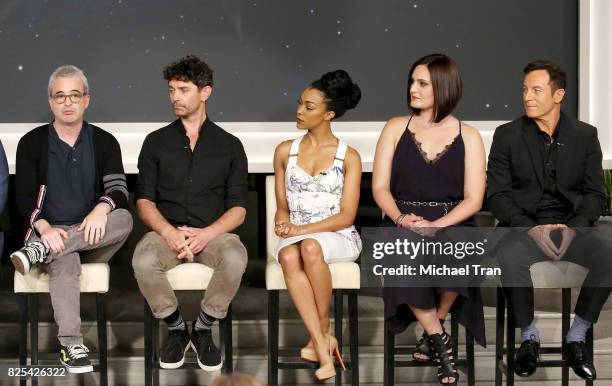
(184, 277)
(345, 280)
(94, 279)
(544, 274)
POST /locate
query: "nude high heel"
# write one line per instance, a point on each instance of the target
(308, 353)
(325, 372)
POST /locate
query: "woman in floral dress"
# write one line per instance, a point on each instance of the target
(317, 182)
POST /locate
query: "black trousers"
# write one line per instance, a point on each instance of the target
(516, 253)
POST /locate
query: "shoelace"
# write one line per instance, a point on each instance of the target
(77, 351)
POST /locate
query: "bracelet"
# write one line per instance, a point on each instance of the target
(398, 221)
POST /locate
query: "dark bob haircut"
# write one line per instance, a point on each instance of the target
(446, 83)
(558, 79)
(190, 69)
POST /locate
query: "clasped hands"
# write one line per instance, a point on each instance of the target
(541, 235)
(284, 228)
(419, 225)
(187, 241)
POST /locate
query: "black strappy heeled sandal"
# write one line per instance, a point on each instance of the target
(443, 357)
(423, 347)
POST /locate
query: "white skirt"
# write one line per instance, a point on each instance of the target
(336, 248)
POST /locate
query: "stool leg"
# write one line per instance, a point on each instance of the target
(500, 309)
(23, 334)
(455, 336)
(155, 345)
(225, 326)
(389, 358)
(148, 343)
(338, 311)
(34, 334)
(273, 337)
(510, 339)
(566, 299)
(102, 338)
(469, 353)
(354, 336)
(590, 349)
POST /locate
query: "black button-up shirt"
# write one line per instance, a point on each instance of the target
(552, 208)
(196, 187)
(71, 176)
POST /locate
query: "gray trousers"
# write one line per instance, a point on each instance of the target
(153, 257)
(64, 270)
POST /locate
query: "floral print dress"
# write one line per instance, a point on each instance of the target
(315, 198)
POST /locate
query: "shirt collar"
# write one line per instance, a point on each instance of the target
(562, 119)
(178, 124)
(55, 136)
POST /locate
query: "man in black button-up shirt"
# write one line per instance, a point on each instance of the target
(192, 187)
(545, 176)
(191, 192)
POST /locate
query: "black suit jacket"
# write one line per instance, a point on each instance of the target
(515, 172)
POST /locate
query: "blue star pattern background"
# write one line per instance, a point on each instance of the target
(265, 52)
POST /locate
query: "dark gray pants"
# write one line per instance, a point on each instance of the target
(64, 270)
(517, 252)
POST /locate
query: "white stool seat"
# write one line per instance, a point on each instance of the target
(189, 276)
(345, 275)
(557, 274)
(94, 278)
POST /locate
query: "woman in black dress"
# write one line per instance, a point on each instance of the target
(429, 173)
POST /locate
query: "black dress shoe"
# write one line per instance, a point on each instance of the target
(526, 359)
(576, 356)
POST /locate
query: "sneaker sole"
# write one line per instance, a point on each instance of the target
(20, 262)
(175, 365)
(78, 370)
(203, 366)
(210, 368)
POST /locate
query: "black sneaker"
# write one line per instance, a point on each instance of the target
(75, 358)
(172, 355)
(209, 356)
(33, 253)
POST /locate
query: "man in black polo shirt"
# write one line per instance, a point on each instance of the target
(192, 192)
(71, 191)
(545, 176)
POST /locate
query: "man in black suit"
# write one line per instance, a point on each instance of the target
(545, 176)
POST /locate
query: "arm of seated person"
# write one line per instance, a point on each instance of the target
(198, 238)
(282, 219)
(381, 172)
(148, 212)
(52, 237)
(94, 224)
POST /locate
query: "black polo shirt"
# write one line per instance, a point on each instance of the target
(71, 178)
(196, 187)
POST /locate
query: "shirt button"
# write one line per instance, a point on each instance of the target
(190, 181)
(74, 160)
